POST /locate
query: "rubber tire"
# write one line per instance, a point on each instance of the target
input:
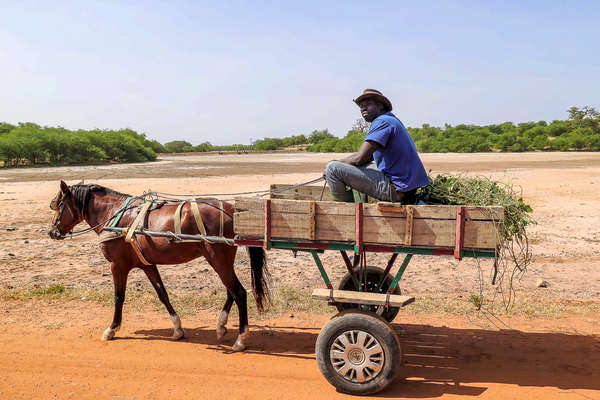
(374, 274)
(376, 327)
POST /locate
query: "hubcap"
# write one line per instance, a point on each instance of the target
(357, 356)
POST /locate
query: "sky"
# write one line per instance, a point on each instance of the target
(236, 71)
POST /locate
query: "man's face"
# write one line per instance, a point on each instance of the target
(371, 109)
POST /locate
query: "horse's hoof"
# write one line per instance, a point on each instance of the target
(108, 334)
(178, 334)
(238, 345)
(221, 332)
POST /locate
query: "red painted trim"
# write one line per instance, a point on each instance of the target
(442, 252)
(359, 226)
(248, 242)
(379, 248)
(267, 237)
(460, 232)
(317, 246)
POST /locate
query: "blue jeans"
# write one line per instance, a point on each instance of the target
(366, 179)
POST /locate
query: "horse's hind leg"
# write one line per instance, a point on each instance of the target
(154, 277)
(224, 316)
(119, 273)
(222, 263)
(240, 299)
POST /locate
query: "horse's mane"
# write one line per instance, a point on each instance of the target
(82, 193)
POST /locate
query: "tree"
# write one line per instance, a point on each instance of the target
(319, 136)
(360, 125)
(178, 146)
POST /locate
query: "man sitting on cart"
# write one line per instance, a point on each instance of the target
(398, 171)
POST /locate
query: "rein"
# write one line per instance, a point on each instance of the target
(117, 216)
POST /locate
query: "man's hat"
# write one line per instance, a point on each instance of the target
(367, 93)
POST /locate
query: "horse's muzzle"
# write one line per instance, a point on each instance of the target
(55, 234)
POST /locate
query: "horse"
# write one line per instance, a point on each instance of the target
(98, 205)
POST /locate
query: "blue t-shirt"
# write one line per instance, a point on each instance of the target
(397, 158)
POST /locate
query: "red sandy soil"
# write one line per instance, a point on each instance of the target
(54, 351)
(50, 351)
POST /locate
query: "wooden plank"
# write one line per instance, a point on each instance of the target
(348, 296)
(381, 209)
(335, 221)
(293, 226)
(484, 213)
(280, 191)
(248, 203)
(482, 235)
(384, 230)
(435, 211)
(335, 227)
(393, 208)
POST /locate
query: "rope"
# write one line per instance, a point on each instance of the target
(164, 196)
(259, 193)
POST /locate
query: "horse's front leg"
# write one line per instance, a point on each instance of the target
(119, 273)
(154, 277)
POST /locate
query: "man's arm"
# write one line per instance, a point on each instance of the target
(363, 155)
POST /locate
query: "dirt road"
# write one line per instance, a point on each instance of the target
(53, 351)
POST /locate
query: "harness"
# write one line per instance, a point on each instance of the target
(197, 218)
(145, 207)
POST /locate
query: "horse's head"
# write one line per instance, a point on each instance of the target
(68, 212)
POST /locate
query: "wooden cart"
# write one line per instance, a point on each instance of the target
(358, 352)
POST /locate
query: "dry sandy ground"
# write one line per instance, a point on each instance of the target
(551, 358)
(54, 351)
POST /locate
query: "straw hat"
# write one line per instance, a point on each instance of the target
(375, 94)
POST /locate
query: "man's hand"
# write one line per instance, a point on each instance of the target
(363, 155)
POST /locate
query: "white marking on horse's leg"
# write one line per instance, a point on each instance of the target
(178, 332)
(109, 333)
(239, 344)
(221, 322)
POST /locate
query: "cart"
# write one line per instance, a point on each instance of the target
(358, 351)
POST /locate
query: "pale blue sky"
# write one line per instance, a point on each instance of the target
(229, 71)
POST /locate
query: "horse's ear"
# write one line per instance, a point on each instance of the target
(64, 187)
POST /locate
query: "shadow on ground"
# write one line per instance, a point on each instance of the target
(439, 360)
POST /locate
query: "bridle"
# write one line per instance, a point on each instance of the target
(60, 208)
(80, 217)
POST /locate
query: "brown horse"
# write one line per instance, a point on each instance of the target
(98, 206)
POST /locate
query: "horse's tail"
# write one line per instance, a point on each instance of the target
(260, 276)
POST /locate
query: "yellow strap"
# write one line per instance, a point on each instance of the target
(138, 251)
(136, 221)
(198, 217)
(221, 218)
(177, 218)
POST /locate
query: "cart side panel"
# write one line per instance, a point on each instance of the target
(383, 223)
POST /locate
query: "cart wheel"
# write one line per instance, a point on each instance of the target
(374, 275)
(358, 353)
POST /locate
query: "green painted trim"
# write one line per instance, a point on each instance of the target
(350, 246)
(121, 211)
(321, 269)
(400, 272)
